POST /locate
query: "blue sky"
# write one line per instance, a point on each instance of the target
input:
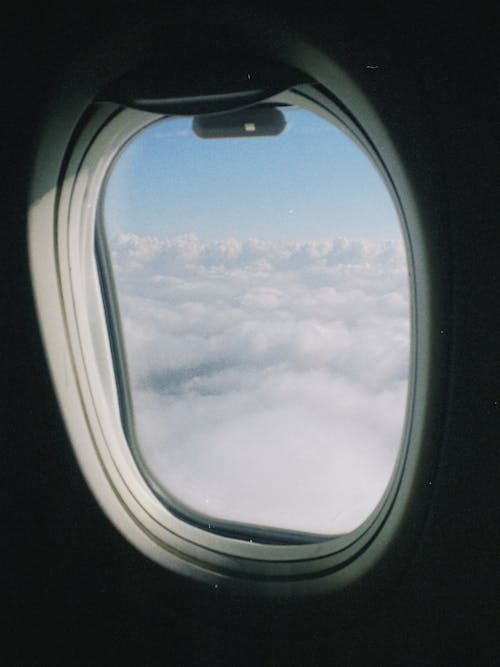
(311, 182)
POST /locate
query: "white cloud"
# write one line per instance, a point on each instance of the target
(269, 379)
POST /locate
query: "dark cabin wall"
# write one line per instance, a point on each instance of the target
(74, 589)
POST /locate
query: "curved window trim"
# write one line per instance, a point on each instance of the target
(73, 321)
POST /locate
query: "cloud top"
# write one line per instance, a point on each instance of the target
(269, 379)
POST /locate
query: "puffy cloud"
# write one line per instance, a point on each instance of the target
(269, 378)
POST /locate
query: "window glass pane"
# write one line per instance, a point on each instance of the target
(264, 296)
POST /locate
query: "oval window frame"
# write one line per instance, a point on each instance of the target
(80, 327)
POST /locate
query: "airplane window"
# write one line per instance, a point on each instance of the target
(263, 290)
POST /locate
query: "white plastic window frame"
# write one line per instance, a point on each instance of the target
(76, 336)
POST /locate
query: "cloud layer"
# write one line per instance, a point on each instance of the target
(269, 379)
